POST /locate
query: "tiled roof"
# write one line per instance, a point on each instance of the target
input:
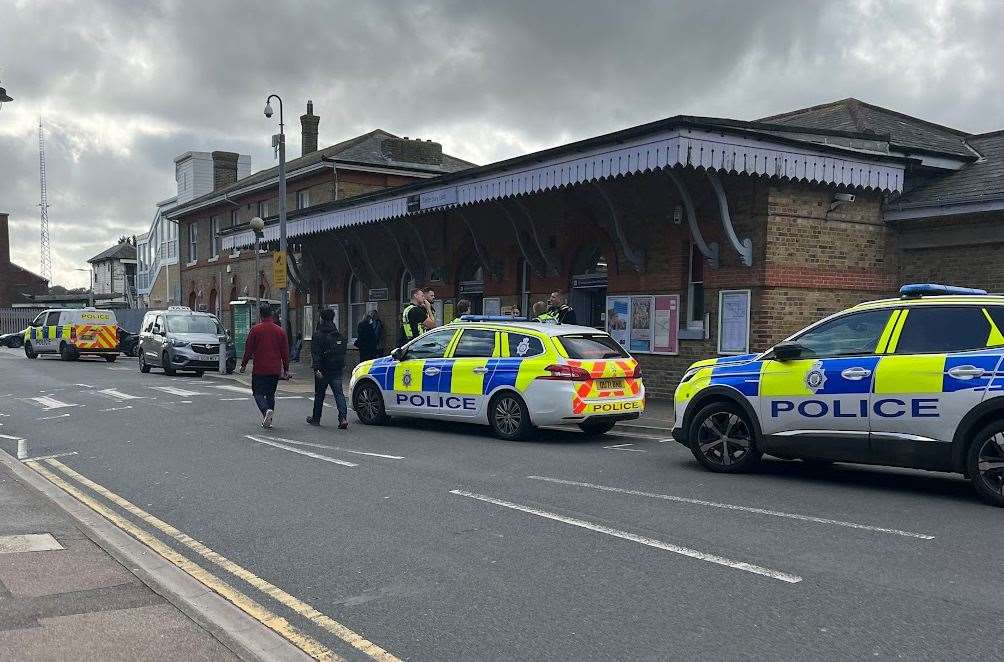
(858, 116)
(123, 251)
(976, 182)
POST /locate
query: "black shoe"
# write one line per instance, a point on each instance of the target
(312, 421)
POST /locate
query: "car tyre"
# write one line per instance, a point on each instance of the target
(597, 428)
(509, 417)
(722, 439)
(144, 367)
(985, 463)
(29, 351)
(367, 401)
(165, 363)
(67, 352)
(111, 358)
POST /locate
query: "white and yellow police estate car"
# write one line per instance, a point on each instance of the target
(511, 375)
(912, 382)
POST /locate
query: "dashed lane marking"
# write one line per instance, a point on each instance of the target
(119, 395)
(11, 437)
(298, 606)
(335, 448)
(46, 457)
(233, 399)
(249, 606)
(316, 456)
(228, 387)
(729, 506)
(288, 397)
(49, 418)
(84, 385)
(173, 390)
(623, 447)
(51, 403)
(642, 540)
(116, 408)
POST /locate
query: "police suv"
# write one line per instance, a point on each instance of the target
(512, 375)
(912, 382)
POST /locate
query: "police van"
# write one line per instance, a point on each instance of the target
(73, 332)
(511, 375)
(912, 382)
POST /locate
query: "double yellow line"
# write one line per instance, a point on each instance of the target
(276, 623)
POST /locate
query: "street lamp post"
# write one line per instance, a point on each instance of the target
(280, 142)
(257, 225)
(4, 97)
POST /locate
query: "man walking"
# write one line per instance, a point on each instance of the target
(328, 353)
(369, 336)
(268, 347)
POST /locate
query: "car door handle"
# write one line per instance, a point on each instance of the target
(480, 371)
(966, 372)
(432, 372)
(855, 374)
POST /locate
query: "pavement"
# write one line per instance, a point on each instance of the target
(423, 540)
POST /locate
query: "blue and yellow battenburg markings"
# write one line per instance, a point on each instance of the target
(391, 376)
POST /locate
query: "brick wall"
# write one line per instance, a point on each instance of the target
(965, 251)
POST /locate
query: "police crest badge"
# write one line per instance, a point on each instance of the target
(815, 379)
(406, 379)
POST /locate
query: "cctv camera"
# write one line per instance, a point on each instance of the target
(843, 197)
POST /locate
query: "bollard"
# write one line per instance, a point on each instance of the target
(224, 355)
(22, 449)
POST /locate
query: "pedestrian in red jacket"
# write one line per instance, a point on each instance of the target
(268, 347)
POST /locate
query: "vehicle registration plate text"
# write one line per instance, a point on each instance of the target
(609, 384)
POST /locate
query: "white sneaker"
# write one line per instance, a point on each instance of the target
(267, 421)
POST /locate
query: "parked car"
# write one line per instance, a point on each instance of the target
(180, 339)
(12, 340)
(128, 342)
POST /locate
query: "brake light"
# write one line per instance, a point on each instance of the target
(561, 372)
(637, 371)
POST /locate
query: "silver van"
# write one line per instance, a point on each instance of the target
(180, 339)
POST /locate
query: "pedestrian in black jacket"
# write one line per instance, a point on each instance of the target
(327, 350)
(369, 336)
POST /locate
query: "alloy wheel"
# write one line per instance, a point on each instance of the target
(990, 462)
(368, 404)
(508, 416)
(724, 438)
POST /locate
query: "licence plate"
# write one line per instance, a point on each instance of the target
(87, 338)
(609, 384)
(214, 357)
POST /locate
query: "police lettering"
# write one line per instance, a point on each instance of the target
(614, 406)
(882, 408)
(437, 401)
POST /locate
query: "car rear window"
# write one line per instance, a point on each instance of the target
(592, 347)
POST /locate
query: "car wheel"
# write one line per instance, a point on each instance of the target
(722, 439)
(985, 463)
(165, 363)
(367, 401)
(67, 353)
(509, 417)
(29, 351)
(111, 358)
(596, 428)
(143, 367)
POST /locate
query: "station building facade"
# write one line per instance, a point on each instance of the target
(688, 238)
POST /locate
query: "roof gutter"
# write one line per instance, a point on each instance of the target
(911, 212)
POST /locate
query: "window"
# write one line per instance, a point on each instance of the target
(53, 319)
(848, 335)
(193, 324)
(262, 209)
(214, 234)
(148, 323)
(695, 288)
(430, 345)
(234, 217)
(522, 346)
(357, 305)
(302, 199)
(943, 329)
(158, 326)
(592, 347)
(193, 242)
(475, 343)
(213, 303)
(39, 321)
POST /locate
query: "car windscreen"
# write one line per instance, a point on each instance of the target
(591, 346)
(192, 324)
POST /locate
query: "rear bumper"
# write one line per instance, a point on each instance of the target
(97, 350)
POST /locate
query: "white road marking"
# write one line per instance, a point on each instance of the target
(650, 542)
(119, 395)
(84, 385)
(316, 456)
(129, 369)
(116, 408)
(238, 389)
(185, 402)
(335, 448)
(622, 447)
(232, 399)
(7, 436)
(173, 390)
(46, 457)
(49, 418)
(51, 403)
(729, 506)
(288, 397)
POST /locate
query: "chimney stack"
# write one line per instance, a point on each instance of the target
(4, 241)
(308, 130)
(224, 169)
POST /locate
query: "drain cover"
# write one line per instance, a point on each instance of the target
(28, 542)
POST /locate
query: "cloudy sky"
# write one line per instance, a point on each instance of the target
(126, 85)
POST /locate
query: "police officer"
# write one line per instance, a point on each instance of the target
(559, 310)
(463, 308)
(540, 312)
(415, 318)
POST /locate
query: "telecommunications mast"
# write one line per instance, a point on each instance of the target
(43, 205)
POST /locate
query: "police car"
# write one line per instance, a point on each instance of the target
(912, 382)
(511, 375)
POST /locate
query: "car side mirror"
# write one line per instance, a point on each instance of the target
(398, 354)
(788, 351)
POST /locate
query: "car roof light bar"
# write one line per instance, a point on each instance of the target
(933, 289)
(492, 318)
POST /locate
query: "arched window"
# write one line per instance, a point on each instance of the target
(471, 285)
(407, 285)
(357, 296)
(191, 300)
(214, 307)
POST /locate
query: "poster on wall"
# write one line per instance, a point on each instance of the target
(448, 313)
(641, 324)
(492, 305)
(308, 322)
(666, 336)
(617, 318)
(733, 321)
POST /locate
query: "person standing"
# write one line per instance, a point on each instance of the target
(369, 336)
(463, 308)
(559, 310)
(430, 306)
(540, 312)
(327, 350)
(415, 317)
(268, 347)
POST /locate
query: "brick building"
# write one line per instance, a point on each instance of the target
(210, 276)
(16, 283)
(714, 235)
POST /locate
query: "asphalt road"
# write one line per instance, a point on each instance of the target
(439, 542)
